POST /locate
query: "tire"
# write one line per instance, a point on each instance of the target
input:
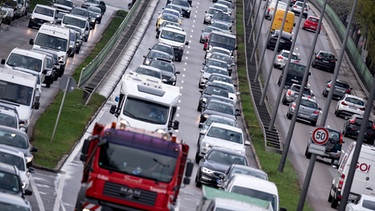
(330, 197)
(313, 123)
(334, 203)
(304, 28)
(283, 101)
(48, 84)
(337, 113)
(197, 157)
(313, 65)
(288, 115)
(324, 94)
(198, 184)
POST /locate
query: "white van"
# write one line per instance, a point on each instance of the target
(53, 37)
(78, 21)
(42, 14)
(364, 177)
(19, 89)
(254, 187)
(31, 62)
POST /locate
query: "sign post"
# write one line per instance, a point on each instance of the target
(319, 137)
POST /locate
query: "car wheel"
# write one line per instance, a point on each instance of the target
(198, 183)
(197, 157)
(307, 154)
(288, 115)
(199, 108)
(313, 64)
(325, 94)
(313, 123)
(304, 28)
(284, 101)
(330, 197)
(337, 113)
(48, 84)
(344, 133)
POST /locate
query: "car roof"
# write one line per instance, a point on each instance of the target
(224, 126)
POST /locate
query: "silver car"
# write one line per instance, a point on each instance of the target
(209, 13)
(282, 58)
(309, 110)
(292, 93)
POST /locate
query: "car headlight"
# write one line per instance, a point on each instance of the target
(29, 158)
(204, 100)
(206, 116)
(147, 62)
(207, 170)
(32, 17)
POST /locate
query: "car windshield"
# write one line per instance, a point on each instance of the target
(149, 72)
(143, 110)
(220, 78)
(15, 93)
(80, 12)
(355, 101)
(64, 2)
(212, 119)
(68, 20)
(216, 70)
(220, 107)
(251, 172)
(306, 91)
(256, 194)
(210, 90)
(309, 104)
(11, 159)
(14, 139)
(226, 134)
(227, 42)
(174, 36)
(51, 42)
(169, 17)
(158, 54)
(163, 65)
(217, 63)
(181, 3)
(44, 11)
(24, 61)
(10, 182)
(226, 158)
(222, 16)
(138, 162)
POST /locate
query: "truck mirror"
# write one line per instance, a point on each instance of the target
(175, 125)
(84, 150)
(31, 42)
(113, 109)
(2, 61)
(36, 105)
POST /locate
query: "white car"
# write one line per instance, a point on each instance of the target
(221, 135)
(232, 92)
(282, 58)
(297, 9)
(15, 157)
(363, 203)
(349, 105)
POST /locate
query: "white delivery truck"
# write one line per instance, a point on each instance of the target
(32, 62)
(19, 89)
(175, 37)
(53, 37)
(364, 177)
(146, 103)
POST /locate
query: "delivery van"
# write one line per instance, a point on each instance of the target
(278, 21)
(364, 177)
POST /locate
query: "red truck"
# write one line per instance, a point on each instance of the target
(132, 169)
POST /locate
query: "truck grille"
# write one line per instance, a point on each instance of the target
(129, 194)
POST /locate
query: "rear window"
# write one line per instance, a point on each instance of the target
(313, 19)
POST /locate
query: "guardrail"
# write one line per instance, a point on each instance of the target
(351, 49)
(91, 68)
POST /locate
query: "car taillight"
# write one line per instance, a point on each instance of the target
(329, 85)
(295, 6)
(362, 108)
(280, 57)
(294, 105)
(268, 10)
(341, 182)
(352, 121)
(348, 91)
(316, 112)
(341, 139)
(306, 9)
(333, 61)
(318, 57)
(289, 92)
(373, 126)
(343, 103)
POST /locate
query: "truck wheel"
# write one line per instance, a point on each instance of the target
(288, 115)
(334, 203)
(80, 198)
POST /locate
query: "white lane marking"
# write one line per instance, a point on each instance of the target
(59, 192)
(37, 195)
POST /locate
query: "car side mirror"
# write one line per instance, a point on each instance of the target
(187, 43)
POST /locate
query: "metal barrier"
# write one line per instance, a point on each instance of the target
(90, 69)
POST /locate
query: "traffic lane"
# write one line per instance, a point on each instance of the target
(323, 172)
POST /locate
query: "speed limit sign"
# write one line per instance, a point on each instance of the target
(320, 135)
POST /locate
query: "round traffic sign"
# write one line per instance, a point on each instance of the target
(320, 135)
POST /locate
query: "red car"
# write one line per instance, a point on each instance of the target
(311, 23)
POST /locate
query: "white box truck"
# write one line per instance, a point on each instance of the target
(146, 103)
(19, 89)
(364, 177)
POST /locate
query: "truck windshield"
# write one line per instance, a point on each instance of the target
(146, 111)
(174, 36)
(24, 61)
(256, 194)
(137, 162)
(15, 93)
(223, 41)
(51, 42)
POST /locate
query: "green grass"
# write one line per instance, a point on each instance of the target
(74, 115)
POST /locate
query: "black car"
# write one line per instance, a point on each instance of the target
(219, 108)
(285, 43)
(341, 88)
(324, 60)
(167, 69)
(353, 125)
(163, 47)
(152, 54)
(332, 147)
(184, 5)
(294, 75)
(213, 165)
(209, 91)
